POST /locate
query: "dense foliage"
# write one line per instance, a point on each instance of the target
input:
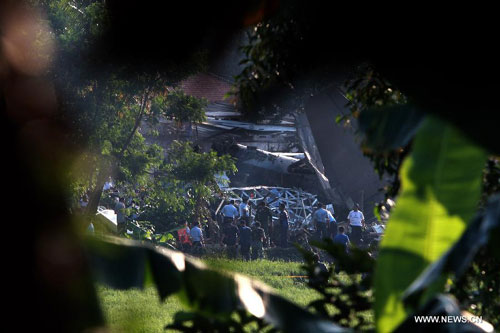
(347, 300)
(182, 188)
(180, 107)
(431, 234)
(105, 104)
(390, 109)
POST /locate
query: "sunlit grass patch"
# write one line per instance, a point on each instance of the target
(141, 310)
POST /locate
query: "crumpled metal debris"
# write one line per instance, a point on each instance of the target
(299, 204)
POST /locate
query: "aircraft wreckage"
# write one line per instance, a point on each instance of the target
(258, 167)
(300, 205)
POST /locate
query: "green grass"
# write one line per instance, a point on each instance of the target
(276, 274)
(137, 310)
(141, 311)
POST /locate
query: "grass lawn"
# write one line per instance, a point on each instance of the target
(141, 310)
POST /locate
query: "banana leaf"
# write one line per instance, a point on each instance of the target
(441, 184)
(123, 264)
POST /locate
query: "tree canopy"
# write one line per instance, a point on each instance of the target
(91, 76)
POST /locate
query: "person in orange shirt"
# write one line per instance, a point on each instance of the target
(184, 239)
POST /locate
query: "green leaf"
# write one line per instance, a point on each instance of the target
(356, 261)
(439, 306)
(390, 127)
(459, 257)
(118, 267)
(122, 263)
(441, 183)
(165, 237)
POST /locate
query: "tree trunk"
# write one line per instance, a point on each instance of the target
(105, 170)
(95, 196)
(136, 125)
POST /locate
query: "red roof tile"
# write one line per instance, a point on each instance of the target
(207, 86)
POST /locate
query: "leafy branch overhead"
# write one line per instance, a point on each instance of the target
(183, 185)
(180, 107)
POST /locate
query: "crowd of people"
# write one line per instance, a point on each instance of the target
(245, 235)
(240, 234)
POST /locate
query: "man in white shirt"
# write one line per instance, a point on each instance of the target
(356, 221)
(245, 210)
(229, 212)
(108, 185)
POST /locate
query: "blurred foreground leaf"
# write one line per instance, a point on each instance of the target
(443, 306)
(123, 264)
(441, 183)
(458, 258)
(390, 127)
(356, 261)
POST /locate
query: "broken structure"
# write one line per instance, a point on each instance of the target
(300, 205)
(307, 150)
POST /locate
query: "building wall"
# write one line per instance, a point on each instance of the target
(349, 172)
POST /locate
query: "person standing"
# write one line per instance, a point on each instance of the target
(332, 225)
(258, 240)
(342, 239)
(264, 216)
(230, 239)
(283, 225)
(196, 235)
(319, 275)
(240, 226)
(229, 212)
(321, 221)
(108, 185)
(244, 210)
(356, 221)
(83, 203)
(245, 240)
(120, 216)
(184, 239)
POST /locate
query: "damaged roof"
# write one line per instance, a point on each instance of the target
(207, 85)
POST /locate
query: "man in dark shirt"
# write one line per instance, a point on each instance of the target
(230, 239)
(319, 276)
(265, 217)
(120, 216)
(258, 240)
(240, 226)
(245, 240)
(342, 238)
(283, 225)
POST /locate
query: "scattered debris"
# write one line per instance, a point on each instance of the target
(106, 220)
(300, 205)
